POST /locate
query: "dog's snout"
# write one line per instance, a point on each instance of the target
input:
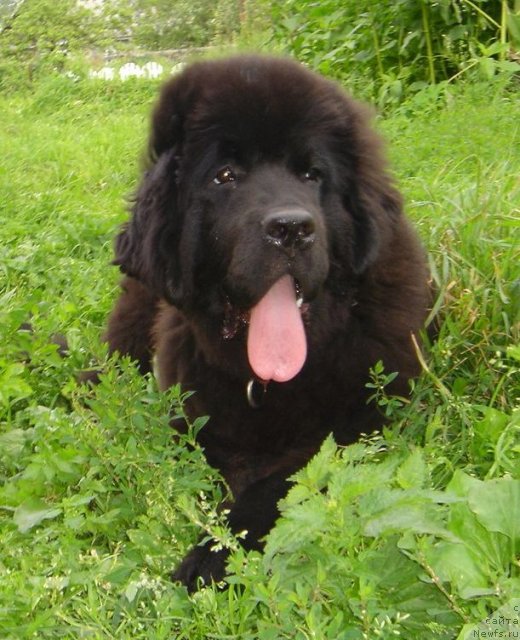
(291, 229)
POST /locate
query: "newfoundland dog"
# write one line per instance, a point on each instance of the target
(268, 266)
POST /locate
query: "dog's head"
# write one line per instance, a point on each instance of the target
(260, 172)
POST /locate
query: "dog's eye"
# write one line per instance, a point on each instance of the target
(224, 175)
(313, 174)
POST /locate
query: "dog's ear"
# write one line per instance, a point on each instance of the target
(367, 192)
(147, 247)
(374, 204)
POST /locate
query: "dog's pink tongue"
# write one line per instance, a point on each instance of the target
(276, 343)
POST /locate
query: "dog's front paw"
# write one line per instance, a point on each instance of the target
(201, 565)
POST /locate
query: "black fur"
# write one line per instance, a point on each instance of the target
(198, 257)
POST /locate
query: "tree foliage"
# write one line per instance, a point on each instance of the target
(37, 27)
(38, 34)
(162, 24)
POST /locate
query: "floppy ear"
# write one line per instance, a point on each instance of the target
(367, 192)
(147, 247)
(374, 204)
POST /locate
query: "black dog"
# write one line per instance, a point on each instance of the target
(268, 266)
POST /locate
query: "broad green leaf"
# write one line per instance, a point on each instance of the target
(491, 426)
(131, 590)
(513, 351)
(454, 563)
(32, 512)
(496, 503)
(513, 24)
(408, 515)
(485, 544)
(391, 573)
(461, 483)
(12, 443)
(12, 383)
(413, 473)
(120, 574)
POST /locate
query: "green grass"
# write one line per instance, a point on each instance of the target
(417, 531)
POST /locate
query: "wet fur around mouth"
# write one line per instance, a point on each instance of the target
(259, 169)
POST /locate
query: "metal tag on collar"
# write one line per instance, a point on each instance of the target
(256, 390)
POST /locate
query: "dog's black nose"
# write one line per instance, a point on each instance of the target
(291, 229)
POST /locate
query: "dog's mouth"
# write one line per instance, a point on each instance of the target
(276, 340)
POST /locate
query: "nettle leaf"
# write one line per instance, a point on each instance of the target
(318, 471)
(418, 511)
(408, 514)
(303, 524)
(356, 481)
(31, 512)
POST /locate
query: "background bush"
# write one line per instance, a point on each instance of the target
(38, 37)
(385, 50)
(390, 48)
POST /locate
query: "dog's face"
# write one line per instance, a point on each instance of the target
(259, 217)
(261, 170)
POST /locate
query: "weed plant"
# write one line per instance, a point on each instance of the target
(391, 49)
(412, 533)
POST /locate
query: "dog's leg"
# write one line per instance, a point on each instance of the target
(129, 330)
(255, 511)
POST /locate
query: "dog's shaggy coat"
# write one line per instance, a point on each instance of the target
(266, 191)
